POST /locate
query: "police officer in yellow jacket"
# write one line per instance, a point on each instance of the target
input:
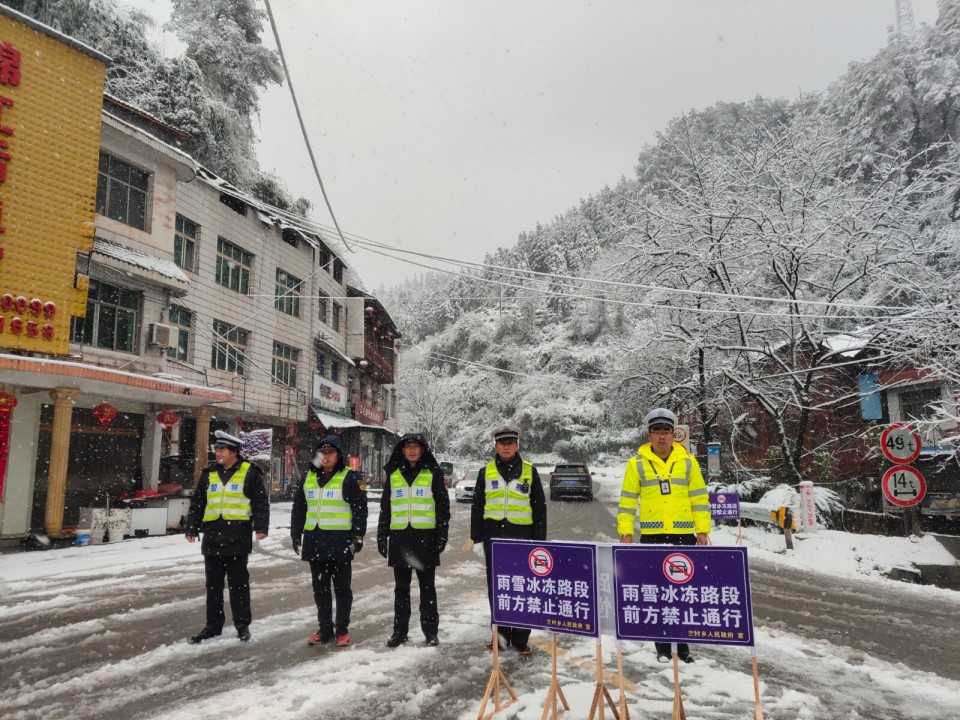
(663, 486)
(329, 517)
(229, 505)
(508, 502)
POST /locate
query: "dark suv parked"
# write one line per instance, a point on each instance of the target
(568, 481)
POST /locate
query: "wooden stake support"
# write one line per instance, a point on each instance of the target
(601, 695)
(678, 712)
(624, 712)
(550, 705)
(493, 684)
(757, 710)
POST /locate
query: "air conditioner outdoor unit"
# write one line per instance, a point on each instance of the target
(164, 336)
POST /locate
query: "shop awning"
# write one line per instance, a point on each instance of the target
(330, 348)
(332, 420)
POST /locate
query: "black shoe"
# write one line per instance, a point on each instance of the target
(322, 635)
(663, 657)
(205, 634)
(523, 648)
(502, 644)
(398, 638)
(686, 657)
(243, 632)
(432, 641)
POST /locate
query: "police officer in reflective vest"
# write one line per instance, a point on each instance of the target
(663, 486)
(508, 502)
(229, 505)
(329, 516)
(412, 532)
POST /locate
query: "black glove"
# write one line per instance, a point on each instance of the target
(441, 545)
(382, 545)
(296, 545)
(356, 545)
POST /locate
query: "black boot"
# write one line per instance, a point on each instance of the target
(432, 640)
(243, 632)
(398, 638)
(205, 634)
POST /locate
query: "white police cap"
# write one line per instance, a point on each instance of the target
(660, 416)
(222, 439)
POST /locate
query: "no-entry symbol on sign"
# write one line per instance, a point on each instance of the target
(541, 562)
(904, 486)
(900, 444)
(678, 568)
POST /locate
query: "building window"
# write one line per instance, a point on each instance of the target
(325, 259)
(122, 191)
(233, 266)
(229, 347)
(323, 307)
(921, 403)
(182, 319)
(235, 204)
(322, 364)
(335, 371)
(185, 242)
(112, 318)
(336, 317)
(338, 271)
(287, 295)
(285, 364)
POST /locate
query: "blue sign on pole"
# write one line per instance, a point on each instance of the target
(545, 586)
(678, 593)
(724, 506)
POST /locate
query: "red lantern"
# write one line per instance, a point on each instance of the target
(105, 413)
(239, 421)
(168, 418)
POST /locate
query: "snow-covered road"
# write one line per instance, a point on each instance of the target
(99, 632)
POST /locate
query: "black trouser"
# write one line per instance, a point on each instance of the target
(513, 636)
(674, 539)
(322, 574)
(429, 612)
(234, 568)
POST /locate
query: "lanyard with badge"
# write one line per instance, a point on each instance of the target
(665, 482)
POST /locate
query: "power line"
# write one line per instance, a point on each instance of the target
(303, 129)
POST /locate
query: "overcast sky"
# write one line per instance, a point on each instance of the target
(451, 127)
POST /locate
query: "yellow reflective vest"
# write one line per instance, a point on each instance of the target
(227, 500)
(412, 505)
(326, 508)
(509, 500)
(669, 496)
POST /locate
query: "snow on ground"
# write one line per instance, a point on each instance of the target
(719, 685)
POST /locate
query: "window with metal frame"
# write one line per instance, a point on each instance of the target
(233, 266)
(112, 320)
(184, 242)
(287, 293)
(323, 307)
(285, 359)
(336, 317)
(122, 191)
(182, 319)
(229, 347)
(920, 403)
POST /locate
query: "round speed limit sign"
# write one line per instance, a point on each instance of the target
(904, 486)
(900, 443)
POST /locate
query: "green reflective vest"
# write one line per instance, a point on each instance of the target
(227, 500)
(326, 508)
(412, 505)
(508, 500)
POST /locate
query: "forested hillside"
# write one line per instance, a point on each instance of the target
(751, 235)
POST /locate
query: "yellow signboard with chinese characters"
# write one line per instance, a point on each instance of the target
(51, 94)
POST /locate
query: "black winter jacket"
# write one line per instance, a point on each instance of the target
(330, 547)
(415, 547)
(481, 529)
(228, 538)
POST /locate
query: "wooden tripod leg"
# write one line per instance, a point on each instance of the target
(757, 710)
